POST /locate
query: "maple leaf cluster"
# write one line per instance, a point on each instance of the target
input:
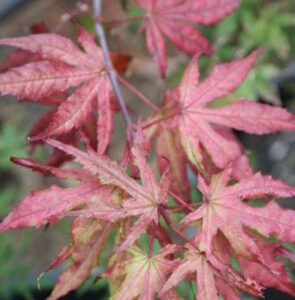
(196, 240)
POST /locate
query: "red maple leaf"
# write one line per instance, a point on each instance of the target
(145, 199)
(52, 204)
(275, 275)
(171, 18)
(211, 282)
(170, 153)
(225, 209)
(144, 274)
(88, 240)
(49, 205)
(272, 274)
(192, 135)
(62, 65)
(208, 127)
(20, 57)
(169, 150)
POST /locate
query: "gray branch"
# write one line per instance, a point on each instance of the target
(97, 6)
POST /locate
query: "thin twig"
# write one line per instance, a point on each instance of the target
(151, 244)
(162, 235)
(181, 201)
(124, 20)
(97, 5)
(138, 93)
(170, 224)
(157, 121)
(177, 208)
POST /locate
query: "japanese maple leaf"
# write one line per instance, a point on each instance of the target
(277, 277)
(210, 282)
(274, 274)
(49, 205)
(224, 209)
(21, 57)
(52, 204)
(170, 153)
(70, 174)
(201, 125)
(62, 65)
(145, 275)
(171, 18)
(144, 201)
(88, 239)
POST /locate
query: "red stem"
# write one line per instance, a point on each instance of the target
(123, 20)
(181, 207)
(139, 94)
(147, 125)
(151, 245)
(163, 236)
(171, 225)
(181, 201)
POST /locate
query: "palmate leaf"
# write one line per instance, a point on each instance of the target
(171, 155)
(275, 275)
(144, 200)
(272, 274)
(171, 18)
(145, 275)
(224, 209)
(88, 239)
(73, 174)
(201, 125)
(50, 205)
(62, 65)
(20, 57)
(169, 149)
(73, 79)
(88, 199)
(211, 282)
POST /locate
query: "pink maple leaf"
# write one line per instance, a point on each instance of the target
(88, 240)
(224, 209)
(171, 18)
(144, 200)
(48, 206)
(63, 65)
(145, 275)
(211, 281)
(201, 125)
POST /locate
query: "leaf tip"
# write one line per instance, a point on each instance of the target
(15, 160)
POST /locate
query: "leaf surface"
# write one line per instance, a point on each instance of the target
(277, 277)
(145, 199)
(170, 18)
(145, 275)
(171, 155)
(61, 66)
(88, 240)
(224, 209)
(211, 283)
(201, 125)
(48, 206)
(74, 174)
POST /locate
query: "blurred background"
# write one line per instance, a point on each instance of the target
(257, 23)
